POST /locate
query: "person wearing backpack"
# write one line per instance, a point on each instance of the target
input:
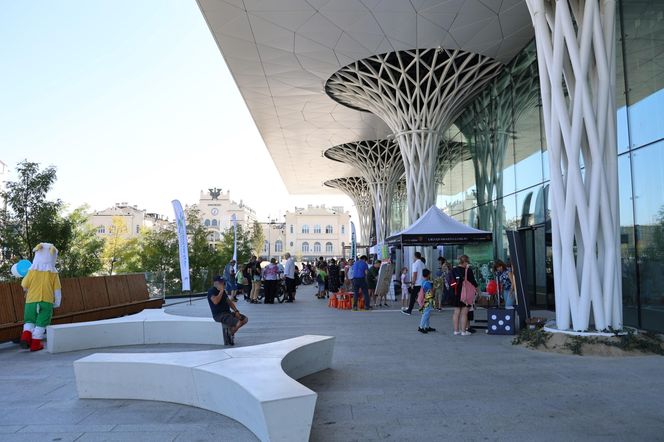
(465, 291)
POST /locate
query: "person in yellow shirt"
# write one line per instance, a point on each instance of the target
(42, 293)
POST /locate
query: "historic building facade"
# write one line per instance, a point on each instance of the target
(315, 231)
(216, 210)
(133, 220)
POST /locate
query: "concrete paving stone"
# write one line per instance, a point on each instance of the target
(217, 435)
(129, 415)
(160, 427)
(10, 428)
(156, 436)
(31, 437)
(83, 403)
(20, 416)
(70, 428)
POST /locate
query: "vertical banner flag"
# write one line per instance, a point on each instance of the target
(182, 243)
(353, 241)
(234, 219)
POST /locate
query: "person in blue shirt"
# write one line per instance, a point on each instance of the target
(429, 301)
(360, 270)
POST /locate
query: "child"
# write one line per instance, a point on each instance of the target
(429, 301)
(404, 287)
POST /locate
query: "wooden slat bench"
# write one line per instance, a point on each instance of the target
(83, 299)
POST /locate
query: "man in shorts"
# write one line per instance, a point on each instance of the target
(223, 308)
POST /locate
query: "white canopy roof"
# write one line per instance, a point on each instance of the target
(436, 228)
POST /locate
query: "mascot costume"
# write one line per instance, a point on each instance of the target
(42, 288)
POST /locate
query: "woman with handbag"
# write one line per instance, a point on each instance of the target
(465, 292)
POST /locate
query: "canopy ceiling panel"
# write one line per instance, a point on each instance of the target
(281, 53)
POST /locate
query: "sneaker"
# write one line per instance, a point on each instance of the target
(457, 333)
(422, 330)
(431, 329)
(465, 333)
(405, 312)
(385, 305)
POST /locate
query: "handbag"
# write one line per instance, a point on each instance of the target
(420, 297)
(468, 290)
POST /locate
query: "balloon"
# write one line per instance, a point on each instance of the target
(15, 272)
(22, 267)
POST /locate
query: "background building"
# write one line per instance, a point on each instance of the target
(316, 231)
(274, 234)
(134, 220)
(216, 209)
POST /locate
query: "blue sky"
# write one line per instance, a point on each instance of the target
(131, 101)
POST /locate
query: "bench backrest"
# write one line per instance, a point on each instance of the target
(7, 312)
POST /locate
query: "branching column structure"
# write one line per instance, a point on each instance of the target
(450, 153)
(358, 191)
(488, 124)
(576, 57)
(418, 93)
(380, 163)
(399, 198)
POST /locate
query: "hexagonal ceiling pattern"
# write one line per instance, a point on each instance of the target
(281, 53)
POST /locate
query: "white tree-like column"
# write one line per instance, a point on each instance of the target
(576, 57)
(380, 163)
(358, 191)
(488, 124)
(418, 93)
(399, 198)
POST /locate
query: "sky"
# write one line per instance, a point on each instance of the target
(131, 101)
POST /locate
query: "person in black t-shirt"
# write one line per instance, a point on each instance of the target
(223, 308)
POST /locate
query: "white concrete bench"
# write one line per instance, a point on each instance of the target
(254, 385)
(151, 326)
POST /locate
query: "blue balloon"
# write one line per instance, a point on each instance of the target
(23, 266)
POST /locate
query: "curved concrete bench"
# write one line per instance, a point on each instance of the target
(254, 385)
(151, 326)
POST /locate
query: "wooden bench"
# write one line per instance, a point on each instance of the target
(83, 299)
(254, 385)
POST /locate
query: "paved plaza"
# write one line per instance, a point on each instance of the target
(387, 382)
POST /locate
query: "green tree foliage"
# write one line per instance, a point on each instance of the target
(257, 238)
(29, 217)
(121, 252)
(83, 256)
(244, 245)
(204, 261)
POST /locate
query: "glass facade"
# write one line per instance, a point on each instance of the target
(501, 180)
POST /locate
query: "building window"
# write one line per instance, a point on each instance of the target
(329, 230)
(291, 243)
(317, 228)
(101, 229)
(207, 223)
(214, 223)
(138, 229)
(329, 248)
(316, 247)
(278, 246)
(292, 228)
(305, 247)
(305, 228)
(266, 247)
(343, 229)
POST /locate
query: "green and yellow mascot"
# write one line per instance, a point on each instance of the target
(42, 293)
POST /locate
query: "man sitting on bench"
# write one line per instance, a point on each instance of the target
(223, 308)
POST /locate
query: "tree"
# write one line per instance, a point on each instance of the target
(83, 256)
(244, 245)
(120, 252)
(29, 218)
(257, 238)
(158, 253)
(204, 261)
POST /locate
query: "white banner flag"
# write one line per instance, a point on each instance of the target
(180, 221)
(234, 219)
(353, 241)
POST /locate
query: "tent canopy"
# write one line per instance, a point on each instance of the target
(435, 228)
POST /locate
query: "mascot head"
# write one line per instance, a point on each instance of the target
(45, 256)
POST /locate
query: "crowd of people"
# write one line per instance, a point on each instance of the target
(454, 286)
